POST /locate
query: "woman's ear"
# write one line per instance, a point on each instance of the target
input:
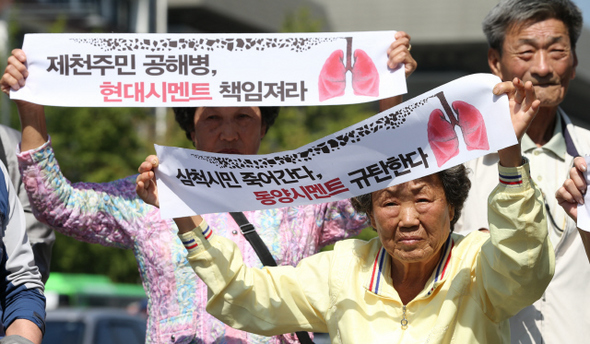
(372, 219)
(451, 212)
(193, 138)
(263, 129)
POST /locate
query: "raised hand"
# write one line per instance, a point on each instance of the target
(523, 108)
(32, 116)
(399, 52)
(574, 188)
(145, 184)
(15, 73)
(523, 103)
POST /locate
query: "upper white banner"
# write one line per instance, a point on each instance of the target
(172, 70)
(449, 125)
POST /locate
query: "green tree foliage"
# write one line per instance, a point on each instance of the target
(297, 126)
(97, 145)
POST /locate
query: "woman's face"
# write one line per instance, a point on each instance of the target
(228, 130)
(413, 219)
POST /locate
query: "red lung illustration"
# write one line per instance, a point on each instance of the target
(332, 77)
(442, 137)
(472, 125)
(365, 78)
(332, 80)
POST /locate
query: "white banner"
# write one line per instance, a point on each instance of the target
(449, 125)
(168, 70)
(584, 209)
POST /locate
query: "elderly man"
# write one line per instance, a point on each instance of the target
(535, 41)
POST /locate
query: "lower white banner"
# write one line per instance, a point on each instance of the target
(444, 127)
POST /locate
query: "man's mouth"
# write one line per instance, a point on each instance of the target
(546, 84)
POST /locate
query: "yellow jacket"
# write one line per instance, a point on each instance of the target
(480, 282)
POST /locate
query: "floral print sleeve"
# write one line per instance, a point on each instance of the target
(101, 213)
(341, 221)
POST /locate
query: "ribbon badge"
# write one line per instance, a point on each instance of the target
(441, 132)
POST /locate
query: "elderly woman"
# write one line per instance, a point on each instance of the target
(417, 282)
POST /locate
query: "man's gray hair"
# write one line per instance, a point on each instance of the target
(508, 13)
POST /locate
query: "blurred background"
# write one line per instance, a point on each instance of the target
(103, 144)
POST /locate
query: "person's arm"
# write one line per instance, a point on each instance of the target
(280, 303)
(92, 212)
(22, 331)
(267, 301)
(517, 262)
(572, 193)
(399, 53)
(23, 300)
(40, 235)
(147, 189)
(32, 116)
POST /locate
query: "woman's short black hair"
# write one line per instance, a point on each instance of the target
(456, 186)
(185, 116)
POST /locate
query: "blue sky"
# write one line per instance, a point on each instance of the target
(584, 5)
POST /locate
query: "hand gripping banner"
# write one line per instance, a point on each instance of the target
(583, 221)
(182, 70)
(449, 125)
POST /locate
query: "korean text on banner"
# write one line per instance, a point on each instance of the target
(190, 70)
(449, 125)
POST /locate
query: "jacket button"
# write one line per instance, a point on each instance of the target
(172, 339)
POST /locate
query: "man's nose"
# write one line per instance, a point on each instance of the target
(541, 64)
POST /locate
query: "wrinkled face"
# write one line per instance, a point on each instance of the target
(229, 130)
(413, 219)
(540, 52)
